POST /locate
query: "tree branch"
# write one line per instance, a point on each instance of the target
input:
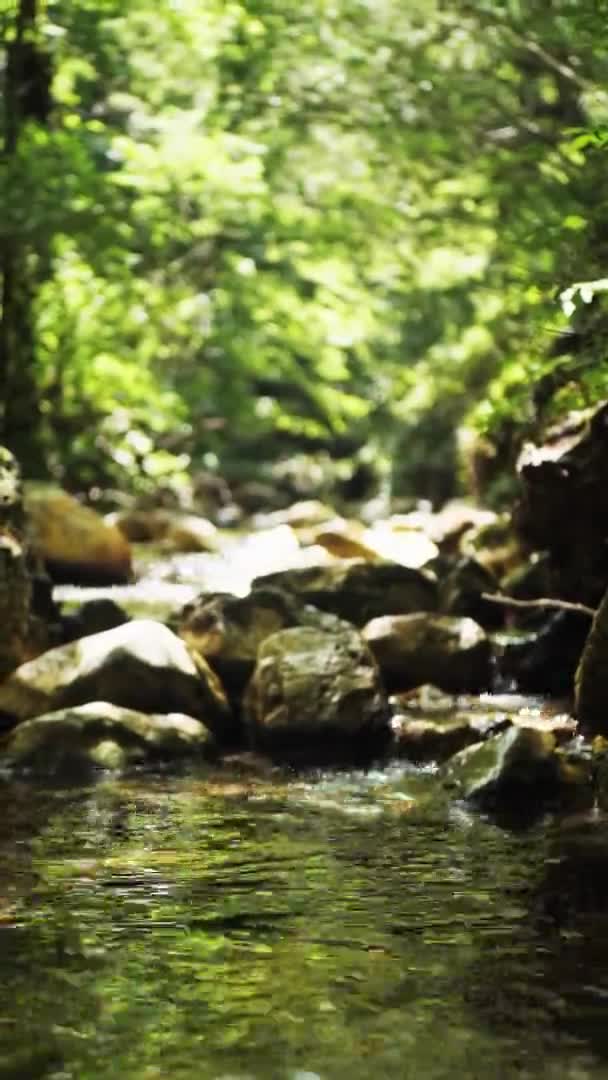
(541, 602)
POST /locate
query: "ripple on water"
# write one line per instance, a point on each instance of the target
(296, 928)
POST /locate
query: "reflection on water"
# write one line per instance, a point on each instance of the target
(333, 926)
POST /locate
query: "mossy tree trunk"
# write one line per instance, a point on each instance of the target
(26, 100)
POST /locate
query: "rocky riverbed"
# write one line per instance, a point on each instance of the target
(304, 637)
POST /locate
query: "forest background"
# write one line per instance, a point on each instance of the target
(365, 231)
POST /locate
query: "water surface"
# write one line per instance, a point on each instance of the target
(215, 926)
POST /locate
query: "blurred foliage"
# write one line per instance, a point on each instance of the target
(247, 228)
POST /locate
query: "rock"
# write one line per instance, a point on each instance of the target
(600, 763)
(495, 546)
(451, 652)
(141, 665)
(255, 496)
(303, 514)
(456, 518)
(591, 680)
(228, 630)
(29, 620)
(431, 725)
(93, 617)
(172, 530)
(74, 541)
(187, 532)
(390, 540)
(358, 591)
(140, 525)
(563, 507)
(431, 738)
(461, 593)
(527, 582)
(544, 661)
(345, 542)
(519, 764)
(309, 615)
(73, 741)
(210, 493)
(312, 689)
(577, 775)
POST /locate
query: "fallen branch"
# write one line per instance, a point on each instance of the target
(541, 602)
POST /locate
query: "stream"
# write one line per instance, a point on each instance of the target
(223, 923)
(214, 925)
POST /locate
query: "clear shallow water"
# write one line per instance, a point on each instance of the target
(219, 926)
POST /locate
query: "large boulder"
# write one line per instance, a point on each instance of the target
(314, 689)
(591, 680)
(141, 665)
(563, 506)
(74, 541)
(73, 741)
(228, 630)
(446, 650)
(358, 591)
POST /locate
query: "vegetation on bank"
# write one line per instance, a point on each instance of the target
(341, 227)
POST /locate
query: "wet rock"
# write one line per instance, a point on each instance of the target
(431, 738)
(461, 593)
(577, 775)
(312, 689)
(518, 765)
(452, 653)
(74, 541)
(358, 591)
(93, 617)
(228, 630)
(141, 665)
(73, 741)
(429, 724)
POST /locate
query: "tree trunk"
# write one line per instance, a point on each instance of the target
(26, 95)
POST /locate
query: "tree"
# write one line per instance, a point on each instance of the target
(27, 97)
